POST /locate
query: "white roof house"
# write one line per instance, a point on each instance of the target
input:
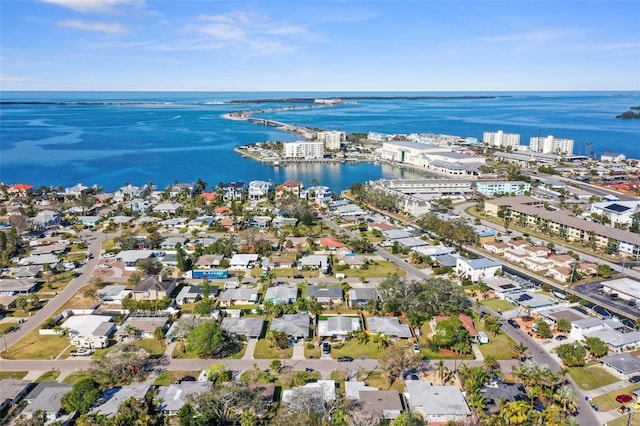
(243, 261)
(389, 326)
(338, 326)
(89, 331)
(477, 269)
(113, 294)
(325, 390)
(174, 396)
(437, 403)
(130, 257)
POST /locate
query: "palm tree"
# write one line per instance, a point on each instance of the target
(490, 362)
(441, 370)
(382, 340)
(516, 413)
(130, 331)
(566, 397)
(520, 349)
(21, 303)
(477, 402)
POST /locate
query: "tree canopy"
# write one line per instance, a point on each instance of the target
(81, 396)
(207, 340)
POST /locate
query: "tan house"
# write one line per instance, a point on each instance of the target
(289, 188)
(153, 288)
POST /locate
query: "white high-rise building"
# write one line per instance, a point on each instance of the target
(551, 145)
(307, 150)
(332, 139)
(501, 139)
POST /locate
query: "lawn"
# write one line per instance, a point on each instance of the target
(375, 379)
(155, 347)
(168, 377)
(624, 421)
(497, 304)
(7, 327)
(312, 353)
(376, 269)
(608, 401)
(12, 374)
(180, 353)
(264, 351)
(498, 346)
(356, 350)
(49, 375)
(35, 346)
(75, 376)
(588, 378)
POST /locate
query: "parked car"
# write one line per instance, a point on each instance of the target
(623, 409)
(345, 359)
(81, 352)
(326, 348)
(416, 347)
(634, 379)
(513, 323)
(624, 398)
(298, 276)
(561, 337)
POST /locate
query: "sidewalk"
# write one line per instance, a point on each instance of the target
(477, 353)
(251, 347)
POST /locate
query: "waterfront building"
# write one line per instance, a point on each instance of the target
(289, 188)
(551, 145)
(259, 190)
(303, 150)
(409, 152)
(443, 187)
(233, 191)
(332, 139)
(501, 139)
(501, 188)
(612, 157)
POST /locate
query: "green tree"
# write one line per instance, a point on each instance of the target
(21, 303)
(149, 266)
(207, 340)
(573, 355)
(564, 325)
(596, 347)
(159, 333)
(492, 324)
(218, 373)
(605, 271)
(82, 396)
(520, 350)
(187, 415)
(543, 329)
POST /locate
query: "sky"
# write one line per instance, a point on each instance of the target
(311, 45)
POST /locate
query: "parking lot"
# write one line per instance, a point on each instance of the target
(592, 291)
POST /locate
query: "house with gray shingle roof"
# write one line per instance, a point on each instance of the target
(325, 295)
(174, 396)
(46, 396)
(295, 325)
(622, 364)
(358, 297)
(283, 294)
(389, 326)
(12, 391)
(244, 326)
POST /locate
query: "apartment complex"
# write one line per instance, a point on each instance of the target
(303, 150)
(332, 139)
(503, 187)
(529, 212)
(551, 145)
(501, 139)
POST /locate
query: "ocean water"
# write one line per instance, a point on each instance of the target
(113, 138)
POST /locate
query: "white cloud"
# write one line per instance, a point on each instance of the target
(12, 79)
(89, 6)
(103, 27)
(256, 34)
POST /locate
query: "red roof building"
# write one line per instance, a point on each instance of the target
(467, 322)
(22, 188)
(289, 187)
(331, 243)
(209, 196)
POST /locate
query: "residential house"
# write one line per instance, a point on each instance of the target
(467, 323)
(501, 286)
(12, 391)
(46, 397)
(325, 295)
(537, 263)
(233, 191)
(495, 247)
(560, 273)
(259, 190)
(316, 261)
(171, 243)
(45, 219)
(536, 251)
(319, 394)
(153, 288)
(209, 197)
(238, 296)
(281, 221)
(288, 189)
(295, 325)
(250, 327)
(359, 297)
(622, 365)
(12, 287)
(373, 405)
(144, 326)
(282, 262)
(174, 396)
(209, 261)
(174, 222)
(259, 222)
(115, 396)
(477, 269)
(21, 189)
(195, 293)
(282, 294)
(75, 190)
(201, 222)
(338, 326)
(243, 261)
(89, 331)
(562, 260)
(389, 326)
(351, 260)
(437, 403)
(113, 294)
(139, 206)
(530, 301)
(167, 208)
(181, 188)
(130, 257)
(330, 243)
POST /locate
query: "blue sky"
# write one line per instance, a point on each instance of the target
(304, 45)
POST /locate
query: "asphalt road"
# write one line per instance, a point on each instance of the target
(54, 304)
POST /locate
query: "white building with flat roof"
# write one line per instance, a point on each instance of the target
(501, 139)
(551, 145)
(303, 150)
(332, 139)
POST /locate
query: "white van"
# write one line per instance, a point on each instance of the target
(482, 337)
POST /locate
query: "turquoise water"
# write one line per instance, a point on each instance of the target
(165, 137)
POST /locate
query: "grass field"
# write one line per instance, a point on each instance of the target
(379, 268)
(498, 346)
(588, 378)
(168, 377)
(35, 346)
(356, 350)
(12, 374)
(374, 378)
(155, 347)
(312, 353)
(263, 351)
(608, 401)
(74, 377)
(495, 304)
(624, 421)
(49, 375)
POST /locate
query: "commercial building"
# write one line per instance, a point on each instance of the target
(303, 150)
(503, 187)
(551, 145)
(501, 139)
